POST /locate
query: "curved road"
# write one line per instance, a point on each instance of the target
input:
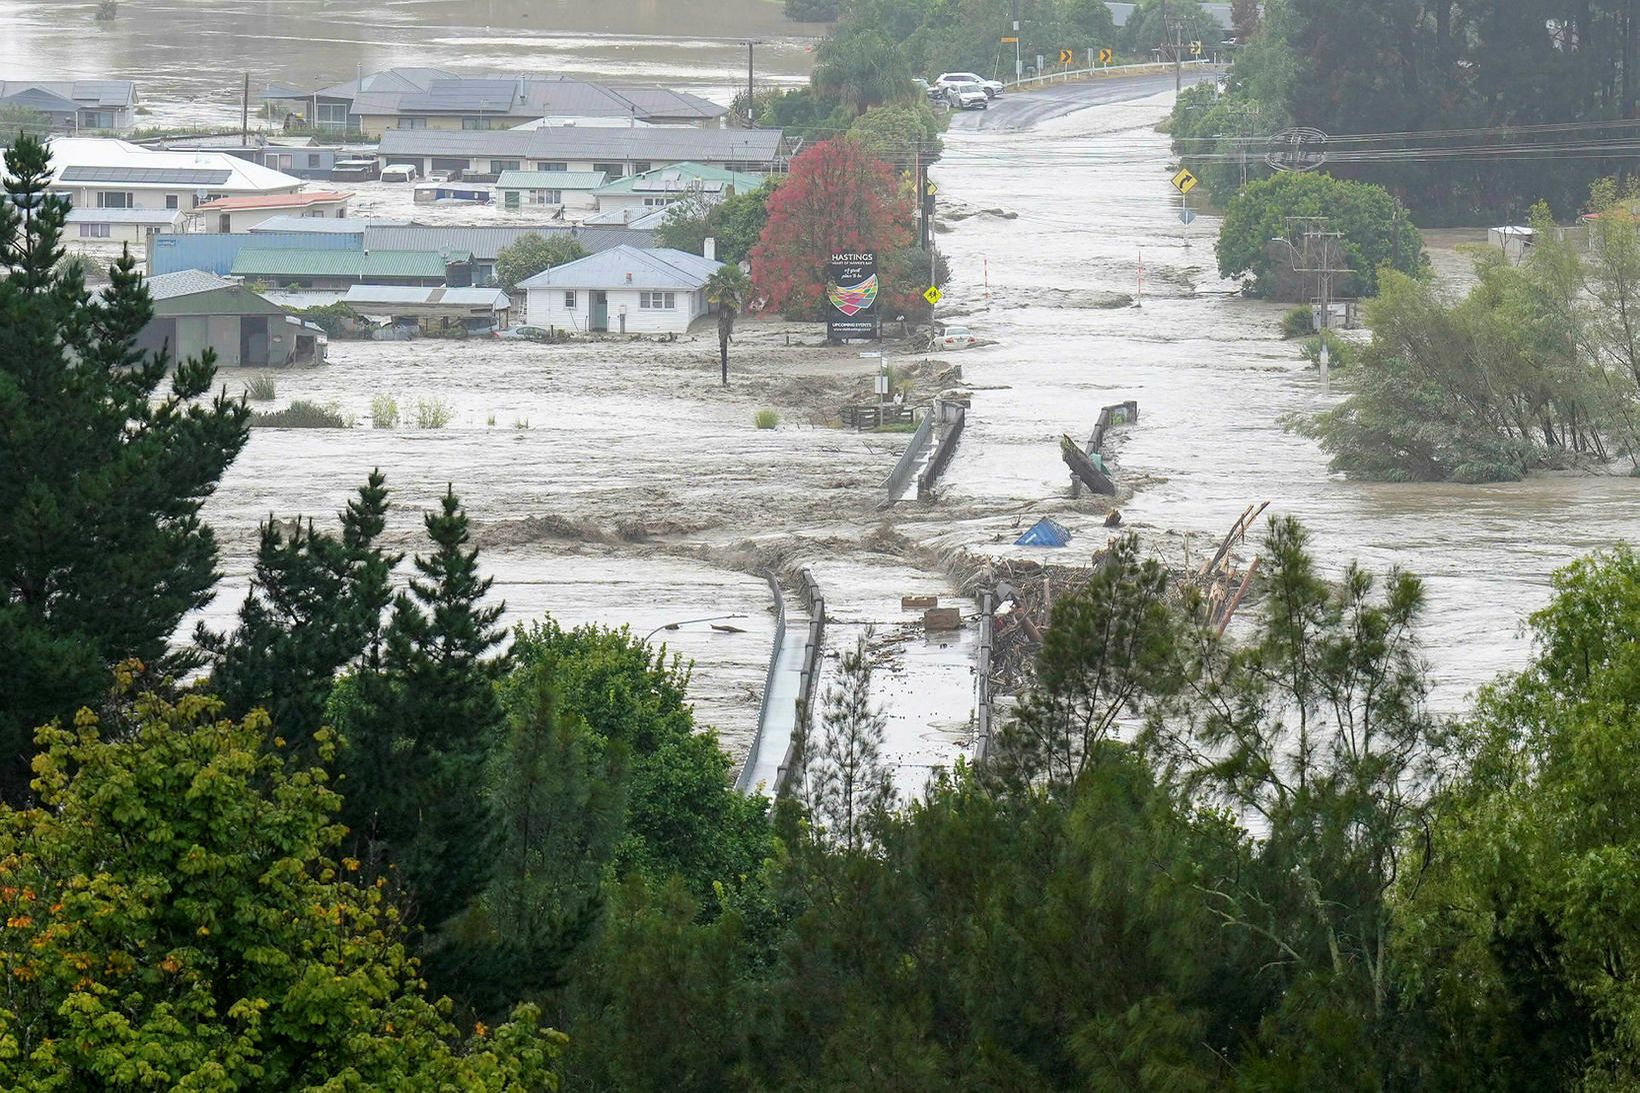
(1014, 110)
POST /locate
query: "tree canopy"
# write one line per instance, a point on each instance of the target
(531, 253)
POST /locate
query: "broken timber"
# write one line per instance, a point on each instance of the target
(1084, 468)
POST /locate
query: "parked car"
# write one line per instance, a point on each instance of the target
(992, 87)
(966, 96)
(957, 337)
(399, 172)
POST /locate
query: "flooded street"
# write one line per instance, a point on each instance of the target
(1213, 380)
(189, 57)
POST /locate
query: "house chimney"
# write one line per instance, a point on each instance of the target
(709, 249)
(629, 278)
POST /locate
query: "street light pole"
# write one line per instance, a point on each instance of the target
(686, 622)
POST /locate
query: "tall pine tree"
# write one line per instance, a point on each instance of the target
(315, 606)
(102, 477)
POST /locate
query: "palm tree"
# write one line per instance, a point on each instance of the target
(729, 290)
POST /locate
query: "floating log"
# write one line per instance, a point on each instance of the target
(1084, 468)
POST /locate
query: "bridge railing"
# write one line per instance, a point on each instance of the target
(1042, 79)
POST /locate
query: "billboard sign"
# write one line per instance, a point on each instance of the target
(851, 295)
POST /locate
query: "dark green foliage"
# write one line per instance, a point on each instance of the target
(899, 133)
(1111, 644)
(813, 11)
(418, 721)
(847, 788)
(1149, 27)
(530, 254)
(102, 474)
(314, 607)
(1376, 232)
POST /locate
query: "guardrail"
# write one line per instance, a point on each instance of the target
(1118, 413)
(1104, 71)
(793, 760)
(949, 435)
(744, 782)
(982, 681)
(900, 476)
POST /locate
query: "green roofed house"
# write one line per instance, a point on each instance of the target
(320, 268)
(636, 195)
(567, 191)
(195, 311)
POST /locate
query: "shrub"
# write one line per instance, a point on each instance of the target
(260, 389)
(303, 415)
(766, 419)
(433, 413)
(384, 412)
(1297, 322)
(1340, 351)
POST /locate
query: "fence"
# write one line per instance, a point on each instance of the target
(877, 414)
(982, 696)
(793, 761)
(744, 782)
(955, 419)
(1120, 413)
(1103, 72)
(900, 476)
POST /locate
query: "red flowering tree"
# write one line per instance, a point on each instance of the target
(836, 197)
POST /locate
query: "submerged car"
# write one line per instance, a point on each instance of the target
(992, 88)
(399, 172)
(966, 96)
(958, 337)
(523, 333)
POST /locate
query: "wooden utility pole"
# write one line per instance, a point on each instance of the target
(245, 111)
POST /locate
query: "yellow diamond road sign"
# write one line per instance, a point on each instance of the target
(1106, 56)
(1184, 182)
(933, 295)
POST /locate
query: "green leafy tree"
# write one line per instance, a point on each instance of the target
(1318, 728)
(813, 11)
(314, 607)
(1518, 946)
(1150, 26)
(22, 121)
(175, 919)
(861, 69)
(531, 253)
(1375, 232)
(728, 290)
(899, 133)
(733, 224)
(1112, 646)
(102, 474)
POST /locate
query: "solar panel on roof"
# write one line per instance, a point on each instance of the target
(177, 176)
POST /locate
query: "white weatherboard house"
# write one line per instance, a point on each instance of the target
(625, 290)
(122, 192)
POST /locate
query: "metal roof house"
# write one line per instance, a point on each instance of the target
(115, 178)
(432, 308)
(563, 190)
(430, 98)
(627, 290)
(662, 186)
(76, 106)
(195, 311)
(237, 214)
(614, 153)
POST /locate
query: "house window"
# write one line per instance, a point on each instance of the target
(549, 197)
(170, 201)
(660, 202)
(554, 166)
(113, 199)
(96, 119)
(483, 273)
(656, 301)
(331, 115)
(499, 165)
(313, 159)
(93, 231)
(640, 167)
(477, 123)
(412, 123)
(610, 171)
(569, 299)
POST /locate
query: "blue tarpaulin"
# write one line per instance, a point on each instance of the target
(1045, 533)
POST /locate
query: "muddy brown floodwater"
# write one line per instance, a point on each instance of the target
(190, 56)
(1212, 380)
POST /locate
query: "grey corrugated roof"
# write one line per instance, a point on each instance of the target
(414, 294)
(629, 267)
(316, 225)
(644, 220)
(186, 282)
(38, 98)
(93, 93)
(484, 243)
(586, 143)
(663, 102)
(549, 180)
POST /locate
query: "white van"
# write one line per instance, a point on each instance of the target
(399, 172)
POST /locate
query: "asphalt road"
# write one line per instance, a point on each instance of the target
(1024, 109)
